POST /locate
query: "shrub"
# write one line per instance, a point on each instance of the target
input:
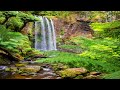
(14, 23)
(115, 75)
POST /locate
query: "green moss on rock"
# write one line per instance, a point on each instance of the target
(72, 72)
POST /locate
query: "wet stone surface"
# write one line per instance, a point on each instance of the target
(45, 71)
(29, 71)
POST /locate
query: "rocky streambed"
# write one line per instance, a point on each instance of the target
(28, 71)
(33, 70)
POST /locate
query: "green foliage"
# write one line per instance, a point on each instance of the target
(52, 13)
(74, 48)
(2, 19)
(68, 16)
(10, 13)
(115, 75)
(15, 20)
(4, 33)
(73, 60)
(14, 23)
(62, 32)
(1, 14)
(16, 43)
(100, 49)
(100, 55)
(106, 48)
(27, 17)
(94, 16)
(110, 29)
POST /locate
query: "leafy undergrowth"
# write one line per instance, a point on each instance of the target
(16, 43)
(109, 29)
(103, 26)
(71, 48)
(101, 50)
(115, 75)
(100, 55)
(74, 60)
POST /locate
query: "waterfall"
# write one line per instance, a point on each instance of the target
(54, 36)
(45, 37)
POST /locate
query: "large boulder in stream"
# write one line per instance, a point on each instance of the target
(30, 68)
(72, 72)
(26, 70)
(59, 66)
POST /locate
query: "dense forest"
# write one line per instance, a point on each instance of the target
(59, 44)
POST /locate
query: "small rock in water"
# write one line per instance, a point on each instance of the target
(31, 62)
(95, 73)
(48, 77)
(28, 78)
(58, 78)
(24, 74)
(90, 77)
(49, 73)
(46, 69)
(34, 75)
(3, 67)
(45, 66)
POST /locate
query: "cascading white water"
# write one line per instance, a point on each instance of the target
(49, 35)
(54, 36)
(40, 36)
(45, 38)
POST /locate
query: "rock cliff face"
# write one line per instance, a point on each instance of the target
(27, 29)
(66, 29)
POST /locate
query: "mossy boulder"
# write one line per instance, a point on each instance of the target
(13, 69)
(24, 69)
(30, 68)
(20, 64)
(72, 72)
(7, 69)
(59, 66)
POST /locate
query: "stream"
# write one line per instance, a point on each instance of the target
(45, 72)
